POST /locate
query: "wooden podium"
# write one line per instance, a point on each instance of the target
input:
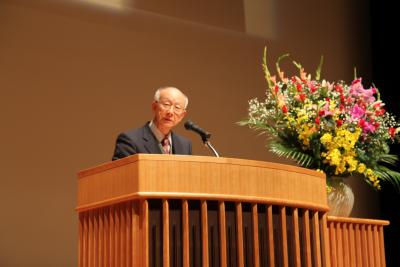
(171, 210)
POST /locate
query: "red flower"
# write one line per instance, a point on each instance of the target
(342, 98)
(321, 112)
(339, 88)
(302, 97)
(317, 120)
(284, 109)
(313, 88)
(377, 105)
(392, 132)
(356, 81)
(276, 89)
(327, 99)
(339, 123)
(379, 112)
(299, 88)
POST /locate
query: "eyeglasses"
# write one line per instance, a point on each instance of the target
(167, 106)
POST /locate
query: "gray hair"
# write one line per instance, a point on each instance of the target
(158, 93)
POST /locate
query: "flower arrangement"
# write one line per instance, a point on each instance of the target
(338, 128)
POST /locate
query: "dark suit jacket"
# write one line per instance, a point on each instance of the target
(142, 140)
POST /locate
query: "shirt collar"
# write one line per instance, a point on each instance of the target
(158, 134)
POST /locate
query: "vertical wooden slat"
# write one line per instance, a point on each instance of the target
(306, 238)
(137, 240)
(204, 233)
(359, 260)
(339, 244)
(316, 239)
(285, 255)
(106, 247)
(296, 238)
(117, 236)
(85, 254)
(364, 246)
(239, 234)
(165, 212)
(185, 233)
(222, 233)
(270, 225)
(256, 248)
(332, 234)
(370, 241)
(91, 239)
(326, 256)
(111, 212)
(352, 244)
(80, 242)
(144, 222)
(377, 251)
(122, 235)
(382, 246)
(95, 238)
(346, 248)
(128, 238)
(101, 237)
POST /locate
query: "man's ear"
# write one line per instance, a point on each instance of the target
(154, 106)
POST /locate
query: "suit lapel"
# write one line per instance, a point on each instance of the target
(150, 141)
(177, 147)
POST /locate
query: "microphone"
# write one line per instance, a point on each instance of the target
(189, 125)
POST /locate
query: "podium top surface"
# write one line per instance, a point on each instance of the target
(143, 176)
(184, 158)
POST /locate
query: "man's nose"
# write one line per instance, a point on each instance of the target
(170, 111)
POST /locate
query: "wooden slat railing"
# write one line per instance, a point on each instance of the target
(109, 234)
(356, 242)
(139, 220)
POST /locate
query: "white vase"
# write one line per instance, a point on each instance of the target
(340, 197)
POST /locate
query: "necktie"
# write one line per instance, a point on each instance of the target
(166, 145)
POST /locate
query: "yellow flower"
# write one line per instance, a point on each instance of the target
(361, 168)
(326, 139)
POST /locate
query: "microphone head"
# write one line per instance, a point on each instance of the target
(188, 125)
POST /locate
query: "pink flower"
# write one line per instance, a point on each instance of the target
(357, 90)
(312, 87)
(356, 112)
(366, 126)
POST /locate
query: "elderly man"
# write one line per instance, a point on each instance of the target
(156, 137)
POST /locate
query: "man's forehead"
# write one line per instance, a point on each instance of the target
(171, 93)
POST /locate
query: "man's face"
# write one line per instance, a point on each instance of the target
(169, 110)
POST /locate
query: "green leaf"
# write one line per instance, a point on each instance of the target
(319, 68)
(278, 69)
(388, 175)
(389, 159)
(294, 153)
(266, 71)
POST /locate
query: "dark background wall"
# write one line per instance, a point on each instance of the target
(384, 26)
(73, 75)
